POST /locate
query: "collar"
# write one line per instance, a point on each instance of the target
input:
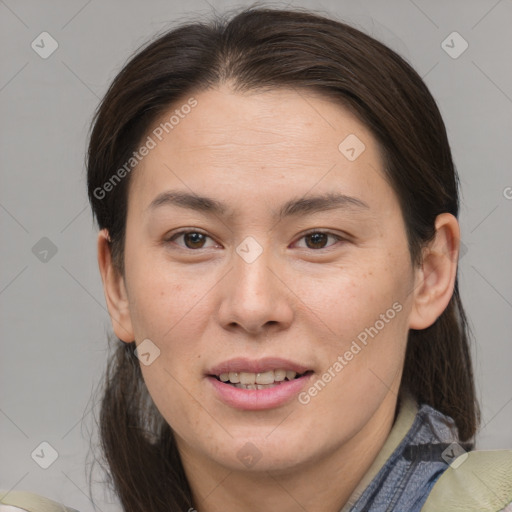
(407, 409)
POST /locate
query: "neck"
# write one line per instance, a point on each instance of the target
(321, 485)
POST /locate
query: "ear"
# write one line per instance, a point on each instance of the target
(115, 290)
(435, 279)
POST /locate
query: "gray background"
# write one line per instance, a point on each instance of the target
(53, 317)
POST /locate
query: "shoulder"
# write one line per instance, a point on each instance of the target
(413, 458)
(477, 481)
(24, 501)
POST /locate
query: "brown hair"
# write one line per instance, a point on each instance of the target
(261, 48)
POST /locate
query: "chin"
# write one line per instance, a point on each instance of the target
(262, 454)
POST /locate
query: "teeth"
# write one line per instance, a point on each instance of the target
(279, 375)
(254, 386)
(265, 378)
(249, 380)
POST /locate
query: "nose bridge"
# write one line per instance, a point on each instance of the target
(251, 270)
(254, 296)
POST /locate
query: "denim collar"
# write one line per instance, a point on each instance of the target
(413, 457)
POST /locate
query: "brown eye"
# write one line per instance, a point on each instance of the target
(194, 240)
(191, 239)
(318, 239)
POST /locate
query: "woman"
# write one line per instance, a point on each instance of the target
(278, 246)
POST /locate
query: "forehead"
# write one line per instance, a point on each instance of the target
(283, 139)
(274, 119)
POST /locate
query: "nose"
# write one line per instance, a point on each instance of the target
(255, 297)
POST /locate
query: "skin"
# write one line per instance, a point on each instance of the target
(301, 299)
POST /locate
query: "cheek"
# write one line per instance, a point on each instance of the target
(363, 311)
(365, 344)
(162, 298)
(347, 299)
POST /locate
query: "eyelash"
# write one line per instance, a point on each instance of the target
(185, 232)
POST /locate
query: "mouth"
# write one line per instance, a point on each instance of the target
(261, 380)
(258, 384)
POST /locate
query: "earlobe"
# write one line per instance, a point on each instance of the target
(114, 290)
(435, 279)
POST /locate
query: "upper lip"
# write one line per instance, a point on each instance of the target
(242, 364)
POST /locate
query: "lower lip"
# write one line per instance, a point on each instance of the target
(259, 399)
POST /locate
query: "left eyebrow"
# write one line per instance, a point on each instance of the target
(313, 204)
(293, 207)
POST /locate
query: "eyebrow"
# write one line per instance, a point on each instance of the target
(293, 207)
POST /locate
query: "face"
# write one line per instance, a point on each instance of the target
(277, 278)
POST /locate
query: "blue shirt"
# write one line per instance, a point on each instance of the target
(421, 445)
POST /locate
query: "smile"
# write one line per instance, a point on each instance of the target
(257, 397)
(262, 380)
